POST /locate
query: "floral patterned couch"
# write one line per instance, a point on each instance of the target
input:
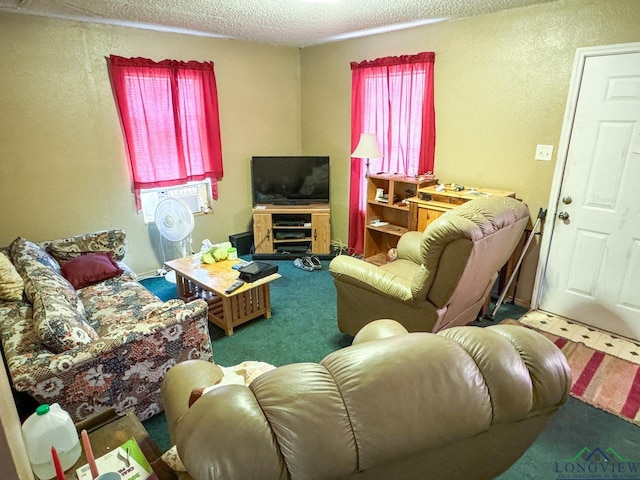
(78, 329)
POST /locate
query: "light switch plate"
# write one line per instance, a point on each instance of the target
(544, 152)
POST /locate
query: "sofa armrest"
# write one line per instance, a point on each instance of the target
(378, 329)
(367, 276)
(178, 385)
(409, 247)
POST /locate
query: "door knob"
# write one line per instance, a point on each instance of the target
(567, 199)
(563, 216)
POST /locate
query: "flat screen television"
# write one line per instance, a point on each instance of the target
(290, 180)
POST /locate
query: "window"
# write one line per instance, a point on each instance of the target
(169, 115)
(392, 98)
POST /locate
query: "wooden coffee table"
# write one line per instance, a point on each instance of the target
(209, 282)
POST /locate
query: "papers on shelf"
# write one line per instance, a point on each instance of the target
(478, 194)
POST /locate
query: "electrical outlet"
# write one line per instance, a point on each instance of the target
(544, 152)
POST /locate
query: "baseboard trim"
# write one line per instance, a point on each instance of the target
(291, 256)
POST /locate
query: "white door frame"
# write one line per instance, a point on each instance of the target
(563, 147)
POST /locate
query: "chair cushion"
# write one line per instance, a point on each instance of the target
(58, 324)
(24, 251)
(91, 268)
(40, 279)
(11, 283)
(105, 241)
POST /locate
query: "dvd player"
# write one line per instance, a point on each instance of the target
(289, 235)
(292, 249)
(289, 223)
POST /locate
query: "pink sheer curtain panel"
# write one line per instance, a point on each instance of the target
(169, 115)
(391, 97)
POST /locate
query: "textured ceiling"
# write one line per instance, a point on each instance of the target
(280, 22)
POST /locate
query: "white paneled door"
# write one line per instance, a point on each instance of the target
(592, 273)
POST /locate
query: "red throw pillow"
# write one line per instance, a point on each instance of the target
(91, 268)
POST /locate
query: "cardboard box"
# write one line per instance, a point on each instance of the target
(128, 460)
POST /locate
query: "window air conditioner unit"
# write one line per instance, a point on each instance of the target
(195, 195)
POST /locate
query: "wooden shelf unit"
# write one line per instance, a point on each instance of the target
(423, 212)
(302, 229)
(394, 212)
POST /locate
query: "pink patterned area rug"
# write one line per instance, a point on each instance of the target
(606, 382)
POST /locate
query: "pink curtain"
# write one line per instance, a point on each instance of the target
(169, 114)
(391, 97)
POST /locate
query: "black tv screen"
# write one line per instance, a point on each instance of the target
(290, 180)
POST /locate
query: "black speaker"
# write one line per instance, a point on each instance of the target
(242, 242)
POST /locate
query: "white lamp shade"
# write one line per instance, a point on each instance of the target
(367, 147)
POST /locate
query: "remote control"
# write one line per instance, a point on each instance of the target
(241, 264)
(234, 287)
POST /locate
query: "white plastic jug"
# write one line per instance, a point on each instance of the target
(50, 426)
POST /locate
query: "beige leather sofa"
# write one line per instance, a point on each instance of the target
(464, 403)
(442, 276)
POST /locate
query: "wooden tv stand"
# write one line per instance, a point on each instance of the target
(290, 231)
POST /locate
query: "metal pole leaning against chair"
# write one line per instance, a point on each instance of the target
(541, 216)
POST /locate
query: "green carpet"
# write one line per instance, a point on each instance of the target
(303, 328)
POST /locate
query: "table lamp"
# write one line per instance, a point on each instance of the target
(367, 148)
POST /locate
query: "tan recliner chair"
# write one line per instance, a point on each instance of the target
(441, 277)
(464, 403)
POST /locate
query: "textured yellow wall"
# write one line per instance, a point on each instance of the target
(501, 84)
(62, 163)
